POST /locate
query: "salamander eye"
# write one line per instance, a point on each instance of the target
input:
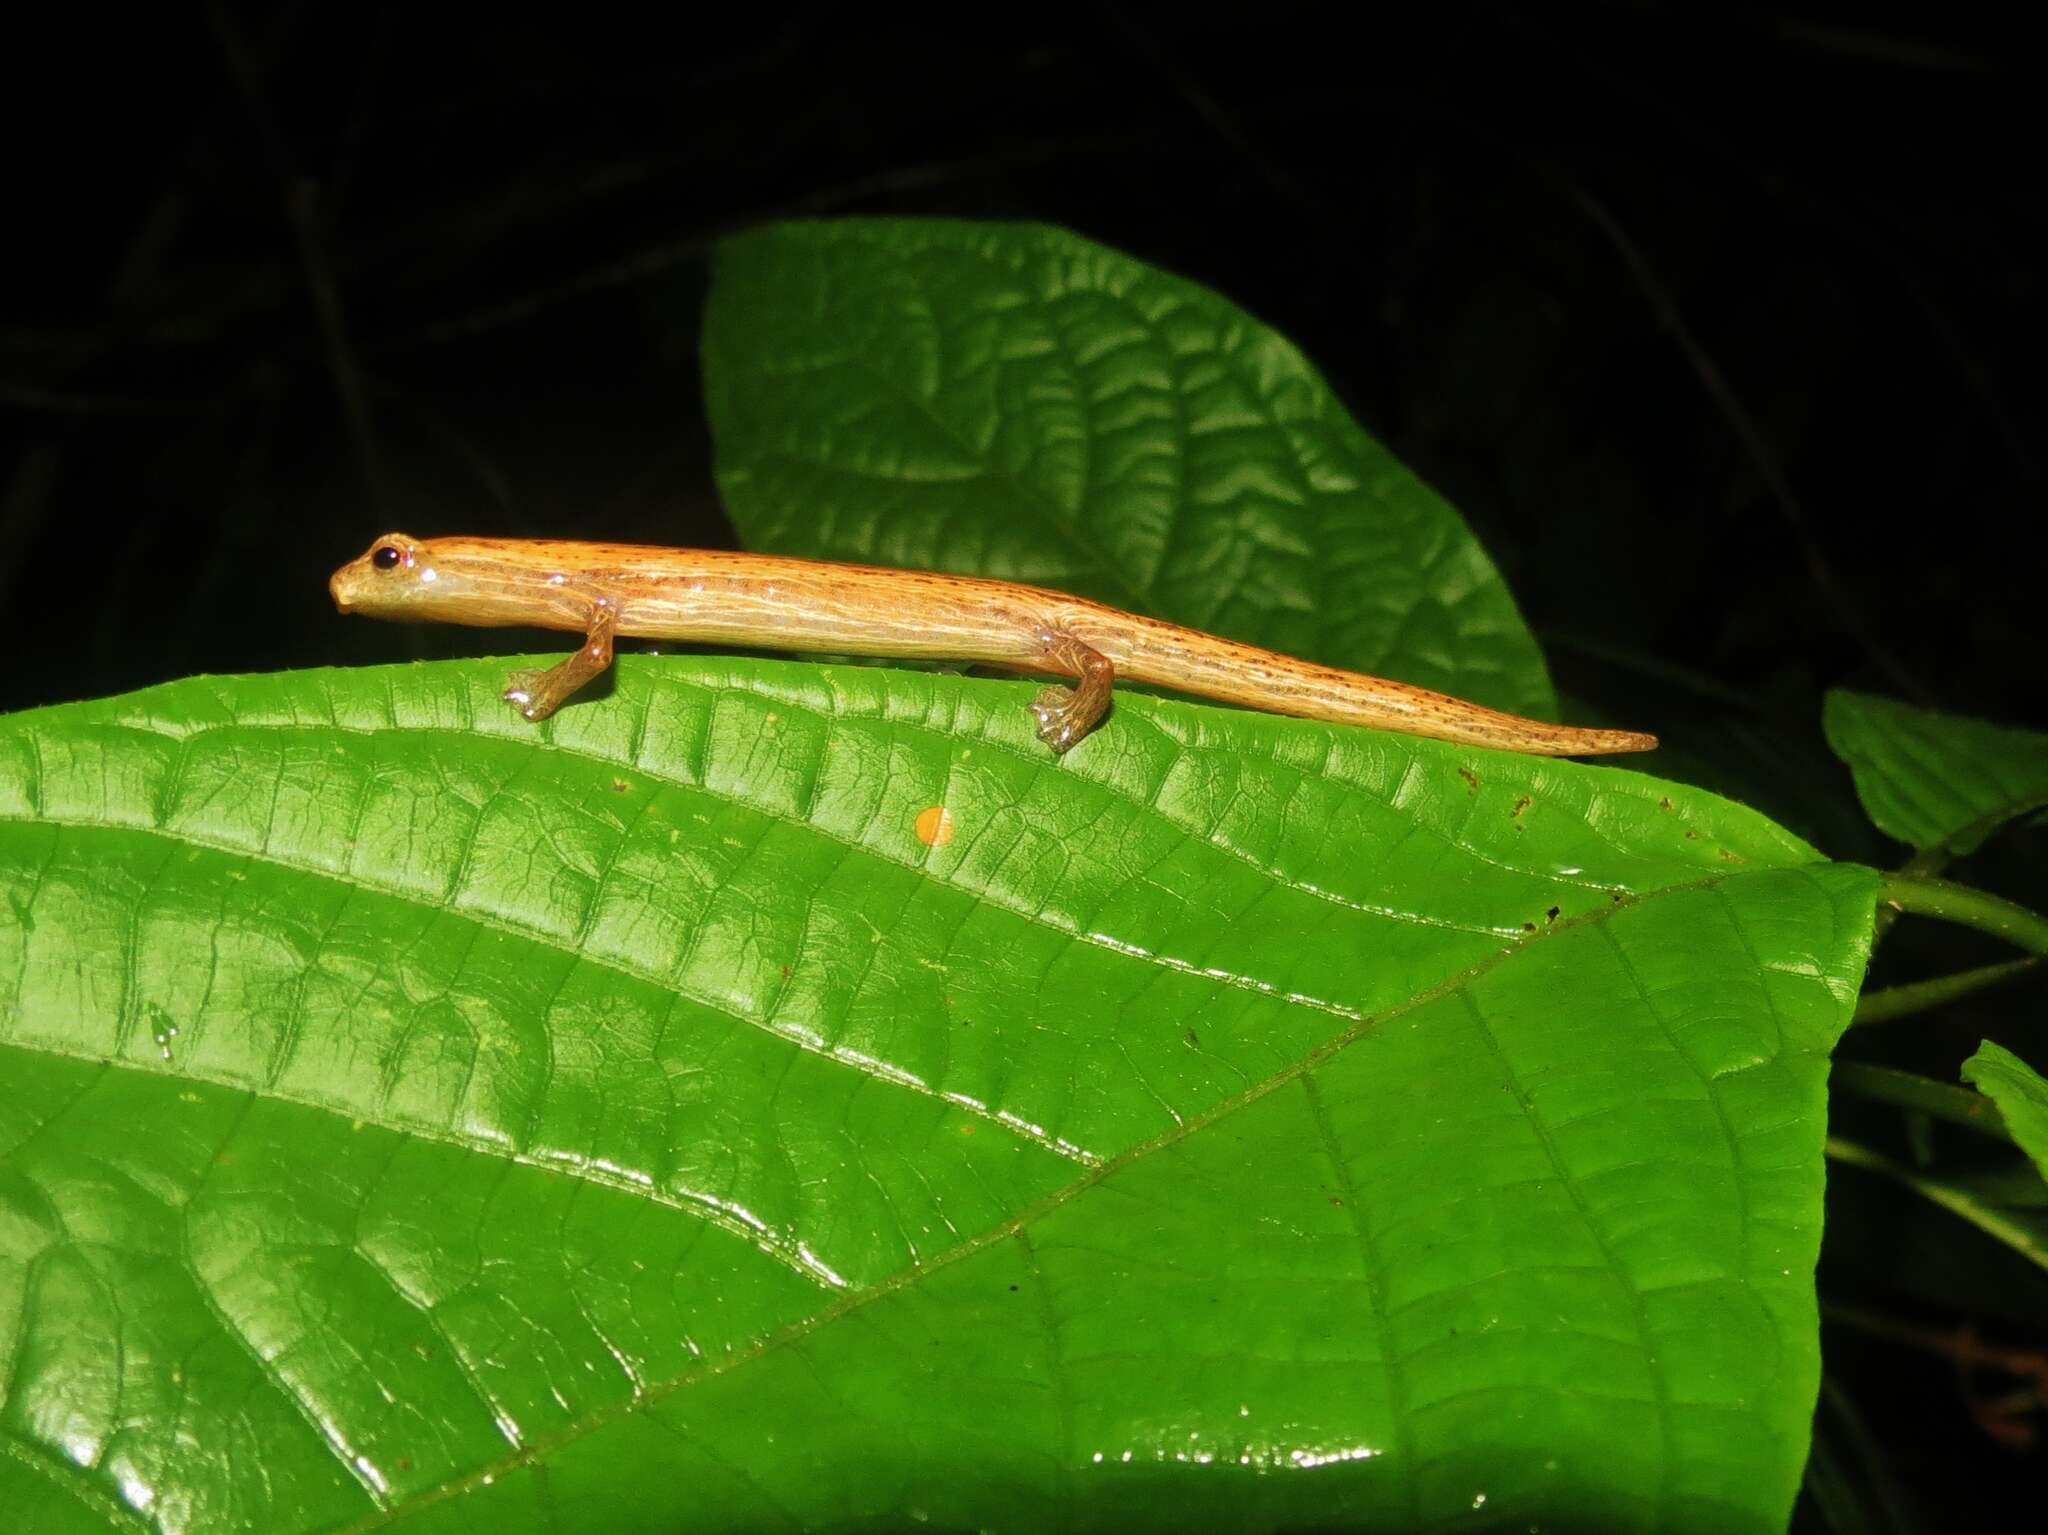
(386, 557)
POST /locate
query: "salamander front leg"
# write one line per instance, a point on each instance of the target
(1067, 714)
(537, 694)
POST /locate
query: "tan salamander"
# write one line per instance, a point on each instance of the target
(603, 591)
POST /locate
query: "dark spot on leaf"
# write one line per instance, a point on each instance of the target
(1528, 927)
(620, 786)
(1691, 835)
(1471, 779)
(1013, 1289)
(1550, 915)
(1728, 857)
(1193, 1043)
(1665, 803)
(1521, 804)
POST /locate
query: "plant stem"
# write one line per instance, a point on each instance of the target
(1925, 864)
(1941, 1100)
(1971, 908)
(1891, 1002)
(1873, 1462)
(1960, 1344)
(1996, 1223)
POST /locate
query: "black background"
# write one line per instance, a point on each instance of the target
(1720, 325)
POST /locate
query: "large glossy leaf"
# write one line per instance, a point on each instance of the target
(1014, 400)
(666, 1119)
(1935, 780)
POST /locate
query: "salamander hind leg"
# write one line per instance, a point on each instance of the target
(1065, 714)
(537, 694)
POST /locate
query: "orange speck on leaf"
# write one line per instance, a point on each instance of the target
(934, 826)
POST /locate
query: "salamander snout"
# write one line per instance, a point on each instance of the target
(385, 580)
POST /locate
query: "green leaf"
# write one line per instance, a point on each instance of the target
(2019, 1092)
(1935, 780)
(1013, 400)
(411, 1118)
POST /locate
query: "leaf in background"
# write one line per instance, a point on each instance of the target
(1013, 400)
(2019, 1092)
(1935, 780)
(665, 1119)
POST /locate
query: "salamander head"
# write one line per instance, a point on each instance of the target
(400, 576)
